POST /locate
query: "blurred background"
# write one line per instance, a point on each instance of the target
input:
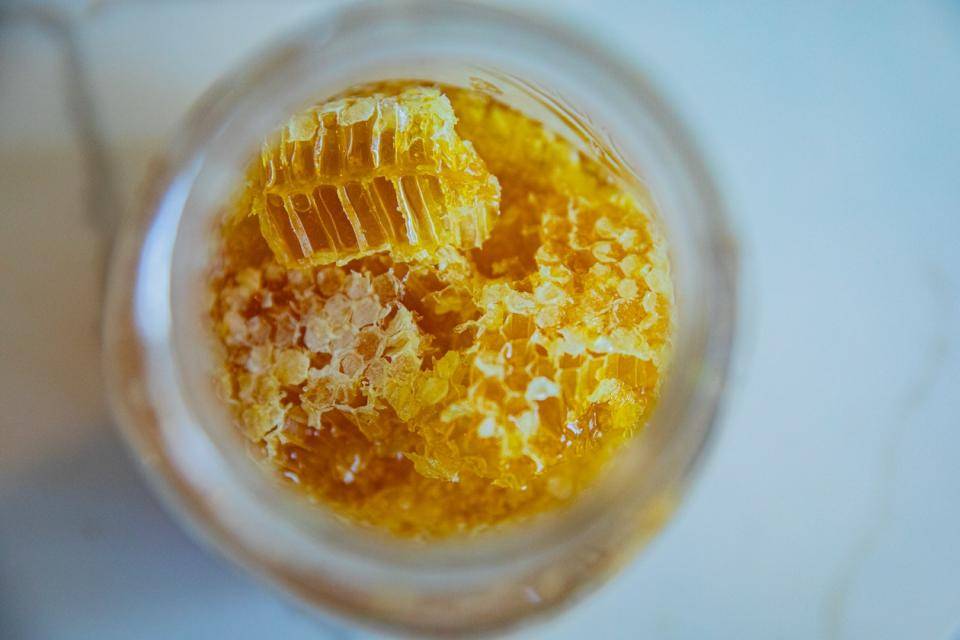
(828, 507)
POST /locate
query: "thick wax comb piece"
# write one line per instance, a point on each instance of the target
(361, 175)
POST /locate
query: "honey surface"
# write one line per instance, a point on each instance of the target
(495, 327)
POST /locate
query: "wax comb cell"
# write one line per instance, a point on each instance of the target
(361, 175)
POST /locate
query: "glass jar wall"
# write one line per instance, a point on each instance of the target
(161, 357)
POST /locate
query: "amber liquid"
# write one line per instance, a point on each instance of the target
(444, 384)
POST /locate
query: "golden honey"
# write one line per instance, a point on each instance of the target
(460, 334)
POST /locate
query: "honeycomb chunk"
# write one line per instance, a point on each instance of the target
(448, 384)
(360, 175)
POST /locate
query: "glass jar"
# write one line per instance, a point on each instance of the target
(161, 358)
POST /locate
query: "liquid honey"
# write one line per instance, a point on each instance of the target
(437, 315)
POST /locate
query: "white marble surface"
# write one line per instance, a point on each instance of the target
(829, 507)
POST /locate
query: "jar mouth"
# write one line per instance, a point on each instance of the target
(155, 307)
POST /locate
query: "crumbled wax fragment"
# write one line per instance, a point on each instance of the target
(548, 317)
(433, 390)
(541, 388)
(291, 366)
(627, 288)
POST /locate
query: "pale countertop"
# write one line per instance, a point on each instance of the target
(829, 507)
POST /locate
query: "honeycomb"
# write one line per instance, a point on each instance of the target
(360, 175)
(451, 387)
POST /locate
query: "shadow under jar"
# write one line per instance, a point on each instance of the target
(162, 358)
